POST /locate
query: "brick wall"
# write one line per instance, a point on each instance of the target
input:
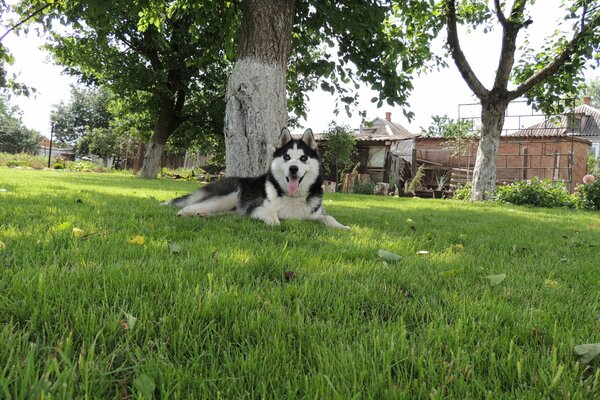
(518, 158)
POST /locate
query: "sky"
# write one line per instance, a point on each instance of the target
(438, 92)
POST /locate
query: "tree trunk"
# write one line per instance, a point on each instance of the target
(484, 174)
(156, 145)
(256, 109)
(168, 120)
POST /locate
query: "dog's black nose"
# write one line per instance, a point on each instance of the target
(293, 169)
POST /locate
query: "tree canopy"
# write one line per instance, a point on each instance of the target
(14, 136)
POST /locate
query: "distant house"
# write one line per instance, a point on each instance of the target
(384, 148)
(58, 151)
(582, 123)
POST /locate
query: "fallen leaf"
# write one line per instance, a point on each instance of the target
(457, 247)
(175, 248)
(2, 245)
(124, 325)
(587, 351)
(495, 279)
(145, 385)
(63, 226)
(388, 256)
(422, 252)
(131, 320)
(139, 240)
(551, 283)
(77, 232)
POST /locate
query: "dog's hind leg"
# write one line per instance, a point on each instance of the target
(210, 206)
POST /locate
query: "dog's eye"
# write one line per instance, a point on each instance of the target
(286, 157)
(303, 158)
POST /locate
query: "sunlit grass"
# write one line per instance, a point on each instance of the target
(220, 318)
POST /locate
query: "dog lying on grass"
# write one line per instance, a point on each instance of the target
(291, 189)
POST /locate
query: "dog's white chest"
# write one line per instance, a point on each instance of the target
(291, 207)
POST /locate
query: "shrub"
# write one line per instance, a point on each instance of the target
(589, 195)
(536, 192)
(463, 193)
(23, 160)
(367, 187)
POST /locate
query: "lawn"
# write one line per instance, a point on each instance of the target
(230, 308)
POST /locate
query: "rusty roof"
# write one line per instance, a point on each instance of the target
(380, 130)
(584, 121)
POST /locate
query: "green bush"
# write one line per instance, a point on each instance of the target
(367, 187)
(463, 193)
(23, 160)
(589, 195)
(536, 192)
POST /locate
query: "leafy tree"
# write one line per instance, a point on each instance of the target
(446, 127)
(166, 49)
(339, 148)
(542, 75)
(14, 136)
(86, 110)
(590, 88)
(327, 44)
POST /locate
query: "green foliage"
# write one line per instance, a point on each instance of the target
(366, 187)
(336, 45)
(593, 165)
(166, 61)
(14, 136)
(23, 160)
(446, 127)
(463, 193)
(590, 88)
(589, 195)
(536, 192)
(549, 93)
(87, 109)
(339, 148)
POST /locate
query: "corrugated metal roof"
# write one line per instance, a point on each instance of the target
(380, 130)
(587, 123)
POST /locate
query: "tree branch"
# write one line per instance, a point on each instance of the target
(510, 31)
(499, 13)
(557, 62)
(459, 57)
(21, 22)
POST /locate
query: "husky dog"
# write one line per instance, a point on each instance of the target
(290, 190)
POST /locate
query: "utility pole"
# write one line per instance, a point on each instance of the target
(51, 138)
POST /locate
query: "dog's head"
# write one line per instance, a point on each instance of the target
(296, 164)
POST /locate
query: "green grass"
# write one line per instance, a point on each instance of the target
(220, 320)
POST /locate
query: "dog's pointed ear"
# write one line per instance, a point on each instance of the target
(284, 138)
(309, 139)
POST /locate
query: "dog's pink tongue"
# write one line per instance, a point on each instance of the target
(293, 185)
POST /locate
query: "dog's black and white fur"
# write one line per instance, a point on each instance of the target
(292, 189)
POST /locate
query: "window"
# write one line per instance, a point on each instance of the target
(376, 157)
(595, 149)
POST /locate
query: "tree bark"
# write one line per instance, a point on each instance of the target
(156, 145)
(484, 174)
(256, 109)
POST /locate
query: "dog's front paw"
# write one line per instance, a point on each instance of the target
(272, 221)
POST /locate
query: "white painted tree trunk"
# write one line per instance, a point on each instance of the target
(484, 174)
(152, 159)
(254, 116)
